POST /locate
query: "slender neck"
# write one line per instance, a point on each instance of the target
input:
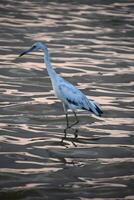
(50, 69)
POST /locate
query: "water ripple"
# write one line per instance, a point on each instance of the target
(91, 45)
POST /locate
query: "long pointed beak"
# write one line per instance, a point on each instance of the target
(27, 51)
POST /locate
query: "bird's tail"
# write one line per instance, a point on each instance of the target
(94, 108)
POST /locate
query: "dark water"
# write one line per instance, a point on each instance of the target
(92, 45)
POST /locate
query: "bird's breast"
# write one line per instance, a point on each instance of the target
(56, 89)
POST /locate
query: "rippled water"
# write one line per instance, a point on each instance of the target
(92, 45)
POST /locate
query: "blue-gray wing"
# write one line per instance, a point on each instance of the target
(74, 96)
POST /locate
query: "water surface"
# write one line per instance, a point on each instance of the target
(91, 44)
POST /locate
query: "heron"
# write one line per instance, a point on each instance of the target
(70, 96)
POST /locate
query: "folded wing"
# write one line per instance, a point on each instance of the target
(74, 96)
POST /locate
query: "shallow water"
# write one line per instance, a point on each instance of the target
(91, 44)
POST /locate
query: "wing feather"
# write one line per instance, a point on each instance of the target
(74, 96)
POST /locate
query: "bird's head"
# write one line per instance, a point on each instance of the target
(35, 46)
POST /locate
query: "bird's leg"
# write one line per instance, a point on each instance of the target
(66, 113)
(71, 125)
(76, 122)
(67, 120)
(65, 130)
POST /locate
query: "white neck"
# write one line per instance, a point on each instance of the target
(50, 69)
